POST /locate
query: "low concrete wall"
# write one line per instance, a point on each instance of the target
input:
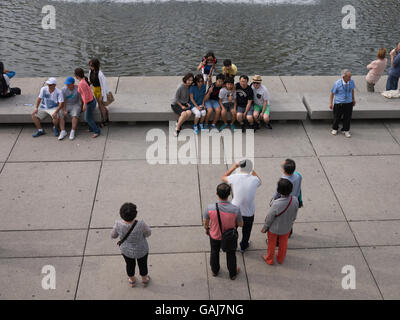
(149, 98)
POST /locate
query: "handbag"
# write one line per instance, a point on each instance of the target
(110, 99)
(229, 238)
(127, 234)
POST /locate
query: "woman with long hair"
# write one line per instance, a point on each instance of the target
(100, 88)
(5, 76)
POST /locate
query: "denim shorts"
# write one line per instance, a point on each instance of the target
(241, 109)
(212, 104)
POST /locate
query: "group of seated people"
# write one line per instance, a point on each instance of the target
(243, 101)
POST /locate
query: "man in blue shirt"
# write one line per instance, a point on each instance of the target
(394, 71)
(343, 92)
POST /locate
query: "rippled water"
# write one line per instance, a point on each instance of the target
(270, 37)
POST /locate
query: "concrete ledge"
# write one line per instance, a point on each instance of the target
(369, 106)
(19, 109)
(126, 107)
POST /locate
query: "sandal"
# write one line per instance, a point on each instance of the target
(145, 283)
(132, 283)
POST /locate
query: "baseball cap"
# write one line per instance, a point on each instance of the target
(51, 81)
(69, 80)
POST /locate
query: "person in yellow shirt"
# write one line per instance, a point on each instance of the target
(229, 69)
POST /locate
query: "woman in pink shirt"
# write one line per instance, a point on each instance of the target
(376, 69)
(89, 102)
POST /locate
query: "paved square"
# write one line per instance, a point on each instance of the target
(60, 199)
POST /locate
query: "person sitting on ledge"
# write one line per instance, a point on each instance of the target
(376, 69)
(5, 90)
(227, 97)
(197, 93)
(72, 106)
(180, 104)
(243, 102)
(261, 103)
(343, 91)
(49, 103)
(212, 101)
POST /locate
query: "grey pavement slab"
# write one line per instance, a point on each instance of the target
(49, 148)
(211, 146)
(287, 106)
(365, 185)
(8, 137)
(285, 139)
(303, 84)
(149, 141)
(368, 106)
(222, 287)
(54, 243)
(210, 178)
(273, 83)
(384, 264)
(166, 195)
(361, 83)
(56, 195)
(310, 235)
(195, 240)
(173, 277)
(17, 109)
(309, 274)
(368, 138)
(394, 128)
(21, 279)
(318, 198)
(372, 233)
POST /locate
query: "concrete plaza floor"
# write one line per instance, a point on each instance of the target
(59, 201)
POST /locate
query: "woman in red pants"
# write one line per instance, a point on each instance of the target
(279, 221)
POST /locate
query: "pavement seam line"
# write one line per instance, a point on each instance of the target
(208, 280)
(91, 214)
(280, 78)
(12, 148)
(247, 277)
(390, 132)
(341, 208)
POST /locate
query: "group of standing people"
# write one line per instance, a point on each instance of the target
(222, 216)
(71, 100)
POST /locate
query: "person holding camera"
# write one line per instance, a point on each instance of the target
(343, 92)
(244, 185)
(394, 71)
(217, 219)
(279, 221)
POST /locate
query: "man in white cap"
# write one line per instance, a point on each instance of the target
(244, 187)
(49, 103)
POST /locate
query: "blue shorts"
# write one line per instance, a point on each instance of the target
(240, 109)
(212, 104)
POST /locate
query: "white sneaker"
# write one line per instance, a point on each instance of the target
(72, 135)
(334, 132)
(347, 134)
(62, 135)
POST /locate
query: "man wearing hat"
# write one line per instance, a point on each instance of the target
(244, 186)
(72, 106)
(261, 102)
(49, 103)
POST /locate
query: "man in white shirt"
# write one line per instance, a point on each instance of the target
(261, 103)
(49, 103)
(244, 186)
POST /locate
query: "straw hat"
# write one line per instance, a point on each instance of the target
(257, 78)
